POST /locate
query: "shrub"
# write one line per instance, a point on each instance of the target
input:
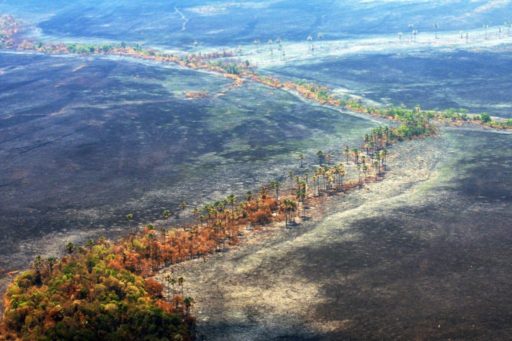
(262, 217)
(153, 287)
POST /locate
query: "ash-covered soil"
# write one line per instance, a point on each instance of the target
(425, 254)
(86, 141)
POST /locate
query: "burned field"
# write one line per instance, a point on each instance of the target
(86, 142)
(423, 254)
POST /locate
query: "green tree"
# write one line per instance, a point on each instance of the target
(485, 117)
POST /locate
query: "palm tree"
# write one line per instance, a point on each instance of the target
(383, 154)
(320, 173)
(301, 195)
(376, 167)
(188, 301)
(340, 172)
(316, 189)
(248, 196)
(183, 205)
(365, 170)
(180, 283)
(37, 266)
(170, 285)
(152, 248)
(219, 207)
(275, 186)
(129, 217)
(51, 262)
(347, 153)
(289, 206)
(231, 200)
(359, 174)
(210, 213)
(330, 178)
(356, 155)
(379, 163)
(387, 134)
(301, 159)
(321, 157)
(70, 248)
